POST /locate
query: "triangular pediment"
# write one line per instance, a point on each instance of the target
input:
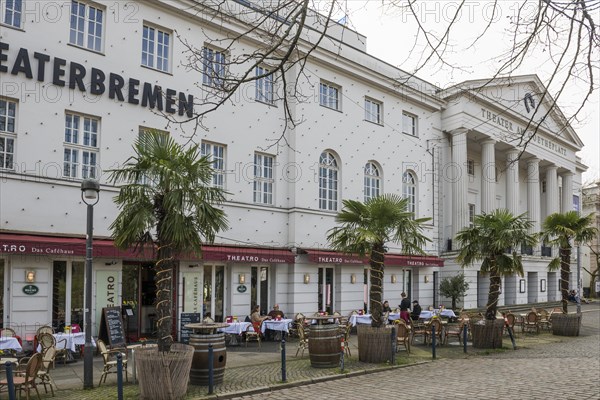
(523, 99)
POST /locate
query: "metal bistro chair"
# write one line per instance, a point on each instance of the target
(437, 323)
(253, 332)
(402, 335)
(545, 322)
(110, 360)
(345, 333)
(44, 372)
(302, 341)
(531, 322)
(26, 381)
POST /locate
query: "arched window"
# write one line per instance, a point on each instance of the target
(372, 181)
(409, 191)
(328, 182)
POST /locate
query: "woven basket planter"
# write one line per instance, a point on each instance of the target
(566, 324)
(164, 376)
(374, 344)
(487, 334)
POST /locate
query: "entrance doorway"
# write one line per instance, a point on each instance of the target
(259, 289)
(139, 295)
(325, 299)
(213, 292)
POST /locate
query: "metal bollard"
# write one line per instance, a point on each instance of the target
(394, 343)
(343, 348)
(512, 338)
(465, 338)
(9, 381)
(433, 341)
(211, 369)
(283, 367)
(120, 376)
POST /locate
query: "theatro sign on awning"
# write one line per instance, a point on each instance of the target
(332, 257)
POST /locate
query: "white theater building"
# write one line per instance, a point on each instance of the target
(73, 103)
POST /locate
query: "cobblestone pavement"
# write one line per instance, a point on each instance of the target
(565, 369)
(544, 367)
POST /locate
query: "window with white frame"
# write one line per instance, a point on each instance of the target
(12, 10)
(264, 85)
(372, 181)
(87, 25)
(8, 115)
(81, 146)
(373, 111)
(329, 95)
(471, 214)
(409, 191)
(213, 67)
(263, 178)
(216, 153)
(409, 124)
(156, 48)
(328, 182)
(471, 167)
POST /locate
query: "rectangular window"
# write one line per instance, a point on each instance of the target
(373, 111)
(409, 124)
(471, 167)
(263, 178)
(544, 187)
(329, 96)
(216, 152)
(86, 25)
(12, 11)
(81, 146)
(213, 67)
(264, 86)
(8, 114)
(156, 45)
(471, 214)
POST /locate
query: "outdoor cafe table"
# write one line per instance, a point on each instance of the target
(366, 318)
(426, 314)
(10, 343)
(276, 325)
(233, 330)
(71, 340)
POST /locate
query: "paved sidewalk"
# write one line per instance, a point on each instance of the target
(251, 371)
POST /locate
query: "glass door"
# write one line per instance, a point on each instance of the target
(213, 292)
(131, 301)
(325, 295)
(259, 289)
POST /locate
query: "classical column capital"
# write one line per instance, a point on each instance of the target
(533, 161)
(487, 141)
(459, 131)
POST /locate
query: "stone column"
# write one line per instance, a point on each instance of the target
(488, 176)
(460, 208)
(533, 193)
(552, 190)
(512, 181)
(567, 192)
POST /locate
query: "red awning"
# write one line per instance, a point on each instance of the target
(63, 246)
(247, 254)
(413, 261)
(333, 257)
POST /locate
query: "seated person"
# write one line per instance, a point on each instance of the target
(386, 307)
(573, 296)
(275, 312)
(255, 315)
(416, 310)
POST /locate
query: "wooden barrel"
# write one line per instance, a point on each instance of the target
(199, 371)
(324, 346)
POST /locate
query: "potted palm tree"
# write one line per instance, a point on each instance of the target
(166, 203)
(488, 240)
(364, 229)
(562, 229)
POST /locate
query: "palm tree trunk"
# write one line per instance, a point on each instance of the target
(164, 276)
(565, 271)
(494, 293)
(376, 289)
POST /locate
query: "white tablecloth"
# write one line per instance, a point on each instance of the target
(72, 340)
(366, 318)
(425, 314)
(236, 328)
(10, 343)
(273, 325)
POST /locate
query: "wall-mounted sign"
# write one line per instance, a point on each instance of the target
(30, 289)
(242, 288)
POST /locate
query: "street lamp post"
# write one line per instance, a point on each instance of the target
(90, 190)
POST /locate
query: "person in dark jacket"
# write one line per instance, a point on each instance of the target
(404, 308)
(416, 310)
(386, 307)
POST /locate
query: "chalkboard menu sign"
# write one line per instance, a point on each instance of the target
(187, 318)
(111, 327)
